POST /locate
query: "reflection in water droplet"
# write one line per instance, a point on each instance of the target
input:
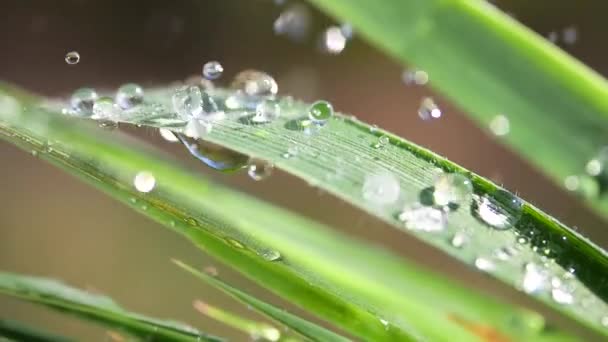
(82, 101)
(534, 279)
(423, 218)
(484, 264)
(259, 170)
(452, 189)
(501, 211)
(72, 57)
(212, 70)
(500, 125)
(381, 188)
(129, 95)
(144, 181)
(214, 156)
(429, 109)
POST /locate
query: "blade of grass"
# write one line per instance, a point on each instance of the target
(489, 64)
(17, 331)
(306, 329)
(97, 308)
(366, 291)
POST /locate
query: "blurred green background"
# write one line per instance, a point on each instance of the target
(53, 225)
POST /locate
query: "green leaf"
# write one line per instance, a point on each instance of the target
(489, 64)
(17, 331)
(307, 329)
(364, 290)
(97, 308)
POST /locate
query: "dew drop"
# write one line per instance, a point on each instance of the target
(562, 296)
(381, 188)
(266, 111)
(129, 95)
(501, 211)
(294, 22)
(320, 111)
(594, 167)
(144, 181)
(82, 101)
(270, 255)
(484, 264)
(459, 240)
(212, 70)
(415, 77)
(167, 135)
(452, 189)
(534, 279)
(333, 40)
(604, 321)
(347, 31)
(255, 83)
(104, 108)
(267, 333)
(423, 218)
(72, 57)
(259, 170)
(188, 102)
(500, 125)
(214, 156)
(428, 109)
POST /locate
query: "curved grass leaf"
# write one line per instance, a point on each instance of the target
(97, 308)
(366, 291)
(489, 64)
(307, 329)
(17, 331)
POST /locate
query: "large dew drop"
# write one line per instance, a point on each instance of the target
(452, 190)
(255, 83)
(500, 211)
(423, 218)
(320, 111)
(188, 102)
(82, 101)
(129, 95)
(144, 181)
(381, 188)
(214, 156)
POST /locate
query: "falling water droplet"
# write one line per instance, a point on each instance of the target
(333, 40)
(214, 156)
(500, 125)
(212, 70)
(320, 112)
(259, 170)
(501, 211)
(82, 101)
(452, 189)
(484, 264)
(72, 57)
(534, 279)
(429, 109)
(144, 181)
(381, 188)
(167, 135)
(266, 111)
(423, 218)
(129, 95)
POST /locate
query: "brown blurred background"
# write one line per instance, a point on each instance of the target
(53, 225)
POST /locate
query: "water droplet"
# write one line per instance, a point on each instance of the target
(267, 333)
(505, 253)
(259, 170)
(415, 77)
(384, 323)
(552, 37)
(562, 296)
(255, 83)
(347, 31)
(188, 102)
(459, 240)
(594, 167)
(129, 95)
(570, 35)
(534, 279)
(501, 211)
(320, 111)
(212, 70)
(294, 22)
(210, 270)
(383, 140)
(333, 40)
(583, 185)
(266, 111)
(214, 156)
(104, 108)
(500, 125)
(604, 321)
(423, 218)
(484, 264)
(82, 101)
(429, 109)
(270, 255)
(72, 57)
(167, 135)
(381, 188)
(144, 181)
(235, 243)
(452, 189)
